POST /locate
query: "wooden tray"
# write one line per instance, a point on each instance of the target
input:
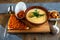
(34, 29)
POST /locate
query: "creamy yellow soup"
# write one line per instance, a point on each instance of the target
(35, 19)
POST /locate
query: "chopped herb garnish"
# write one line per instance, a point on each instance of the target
(36, 13)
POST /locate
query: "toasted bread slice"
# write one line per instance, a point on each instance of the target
(14, 23)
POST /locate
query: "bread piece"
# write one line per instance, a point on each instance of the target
(14, 23)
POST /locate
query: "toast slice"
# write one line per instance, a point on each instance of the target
(14, 23)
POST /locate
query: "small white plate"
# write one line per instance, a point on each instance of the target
(20, 6)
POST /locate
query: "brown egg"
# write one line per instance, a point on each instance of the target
(54, 14)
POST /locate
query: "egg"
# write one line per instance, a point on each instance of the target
(20, 6)
(54, 14)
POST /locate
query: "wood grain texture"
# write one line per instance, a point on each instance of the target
(35, 29)
(27, 1)
(45, 27)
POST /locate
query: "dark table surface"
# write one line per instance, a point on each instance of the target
(48, 36)
(27, 1)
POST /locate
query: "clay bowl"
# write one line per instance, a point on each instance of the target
(37, 7)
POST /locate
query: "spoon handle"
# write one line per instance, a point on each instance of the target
(10, 10)
(56, 21)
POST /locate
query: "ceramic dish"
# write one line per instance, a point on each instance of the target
(36, 14)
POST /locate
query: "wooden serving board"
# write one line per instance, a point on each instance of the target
(33, 28)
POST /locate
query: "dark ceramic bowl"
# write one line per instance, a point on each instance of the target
(38, 7)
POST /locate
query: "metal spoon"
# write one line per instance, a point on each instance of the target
(6, 28)
(55, 28)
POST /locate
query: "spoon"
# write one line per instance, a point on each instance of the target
(55, 28)
(10, 8)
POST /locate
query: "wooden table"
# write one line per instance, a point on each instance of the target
(27, 1)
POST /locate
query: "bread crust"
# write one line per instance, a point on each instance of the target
(14, 23)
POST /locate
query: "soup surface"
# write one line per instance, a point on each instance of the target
(36, 16)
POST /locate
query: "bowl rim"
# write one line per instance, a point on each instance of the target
(39, 7)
